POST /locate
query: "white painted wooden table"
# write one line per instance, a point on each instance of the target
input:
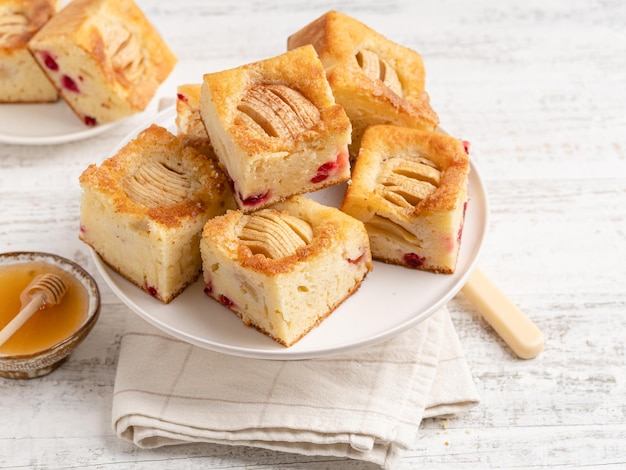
(539, 88)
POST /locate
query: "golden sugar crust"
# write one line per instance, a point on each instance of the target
(208, 185)
(201, 144)
(300, 70)
(338, 38)
(330, 226)
(446, 152)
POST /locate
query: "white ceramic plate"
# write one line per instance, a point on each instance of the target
(44, 124)
(390, 300)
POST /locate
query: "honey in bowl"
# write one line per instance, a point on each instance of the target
(49, 325)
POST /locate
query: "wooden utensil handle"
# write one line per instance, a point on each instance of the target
(35, 304)
(517, 330)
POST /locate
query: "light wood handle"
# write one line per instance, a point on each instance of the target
(38, 301)
(517, 330)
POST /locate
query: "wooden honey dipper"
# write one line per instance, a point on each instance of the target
(45, 289)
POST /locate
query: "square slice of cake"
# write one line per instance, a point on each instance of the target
(188, 121)
(21, 79)
(409, 188)
(143, 210)
(285, 268)
(376, 80)
(276, 128)
(104, 57)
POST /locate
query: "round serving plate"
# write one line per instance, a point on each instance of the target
(390, 300)
(44, 124)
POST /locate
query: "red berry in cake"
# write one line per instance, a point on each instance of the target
(151, 290)
(226, 302)
(182, 97)
(49, 62)
(413, 260)
(255, 199)
(90, 121)
(324, 171)
(466, 146)
(69, 84)
(208, 288)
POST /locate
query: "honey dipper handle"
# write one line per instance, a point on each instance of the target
(517, 330)
(38, 300)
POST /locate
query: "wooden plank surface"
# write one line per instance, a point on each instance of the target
(539, 88)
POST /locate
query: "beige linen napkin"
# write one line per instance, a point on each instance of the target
(364, 404)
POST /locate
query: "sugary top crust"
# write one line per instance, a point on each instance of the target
(300, 70)
(116, 33)
(383, 142)
(198, 185)
(21, 19)
(338, 38)
(330, 228)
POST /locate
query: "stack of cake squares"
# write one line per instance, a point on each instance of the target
(342, 107)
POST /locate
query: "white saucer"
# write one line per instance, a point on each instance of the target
(44, 124)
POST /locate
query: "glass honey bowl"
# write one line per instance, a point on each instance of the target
(47, 338)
